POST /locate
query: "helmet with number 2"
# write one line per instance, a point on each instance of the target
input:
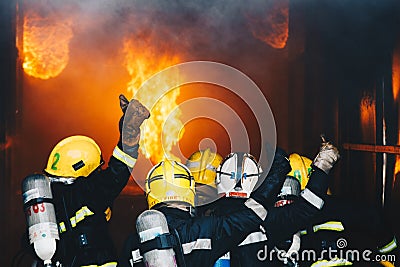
(73, 157)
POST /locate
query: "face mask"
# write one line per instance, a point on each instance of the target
(237, 175)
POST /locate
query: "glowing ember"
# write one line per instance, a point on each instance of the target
(163, 129)
(45, 45)
(367, 110)
(367, 116)
(273, 26)
(7, 144)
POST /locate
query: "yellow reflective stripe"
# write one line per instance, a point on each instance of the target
(109, 264)
(304, 232)
(331, 226)
(123, 157)
(332, 262)
(389, 247)
(80, 215)
(108, 213)
(386, 263)
(73, 221)
(62, 227)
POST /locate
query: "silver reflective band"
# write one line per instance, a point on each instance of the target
(109, 264)
(123, 157)
(254, 238)
(196, 164)
(192, 164)
(257, 208)
(312, 198)
(63, 180)
(211, 168)
(197, 244)
(389, 247)
(136, 256)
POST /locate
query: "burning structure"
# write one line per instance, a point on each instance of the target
(333, 70)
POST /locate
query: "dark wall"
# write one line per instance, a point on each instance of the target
(7, 118)
(341, 52)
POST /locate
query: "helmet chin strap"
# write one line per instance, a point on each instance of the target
(63, 180)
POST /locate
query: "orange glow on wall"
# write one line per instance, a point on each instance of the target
(273, 26)
(368, 117)
(396, 73)
(397, 164)
(396, 90)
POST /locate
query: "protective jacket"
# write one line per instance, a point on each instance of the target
(348, 229)
(203, 240)
(257, 249)
(82, 212)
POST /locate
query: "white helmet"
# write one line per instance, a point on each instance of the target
(237, 175)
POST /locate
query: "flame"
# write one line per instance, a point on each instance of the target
(396, 73)
(45, 45)
(396, 90)
(273, 27)
(397, 167)
(163, 129)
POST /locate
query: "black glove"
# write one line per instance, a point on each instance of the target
(266, 193)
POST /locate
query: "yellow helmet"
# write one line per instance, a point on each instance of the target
(203, 165)
(169, 181)
(73, 157)
(301, 168)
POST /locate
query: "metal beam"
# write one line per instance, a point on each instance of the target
(372, 148)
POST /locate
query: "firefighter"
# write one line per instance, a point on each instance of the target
(253, 251)
(201, 241)
(286, 251)
(83, 191)
(203, 166)
(357, 225)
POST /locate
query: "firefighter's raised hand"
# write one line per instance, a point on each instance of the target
(266, 193)
(327, 157)
(134, 113)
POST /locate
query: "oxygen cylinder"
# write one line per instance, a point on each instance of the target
(40, 216)
(149, 225)
(223, 261)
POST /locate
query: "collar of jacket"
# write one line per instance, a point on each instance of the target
(173, 213)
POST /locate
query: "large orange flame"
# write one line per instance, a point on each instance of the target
(45, 45)
(164, 128)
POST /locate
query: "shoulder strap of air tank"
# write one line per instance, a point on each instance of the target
(178, 249)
